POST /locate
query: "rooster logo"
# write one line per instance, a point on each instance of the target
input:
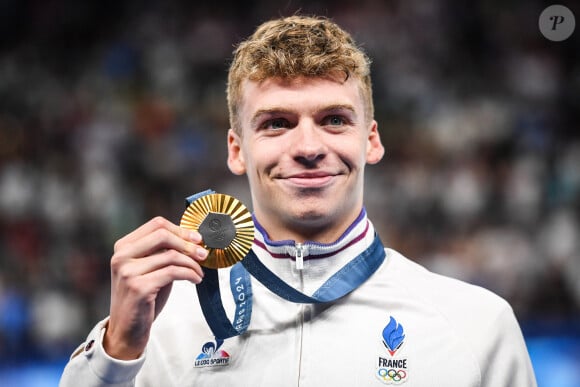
(211, 350)
(211, 355)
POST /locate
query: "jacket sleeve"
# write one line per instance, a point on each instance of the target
(506, 361)
(91, 366)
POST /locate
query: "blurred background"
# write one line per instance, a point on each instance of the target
(111, 112)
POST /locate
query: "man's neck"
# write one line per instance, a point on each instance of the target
(301, 232)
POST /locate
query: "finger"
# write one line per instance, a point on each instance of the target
(157, 240)
(142, 266)
(158, 223)
(155, 280)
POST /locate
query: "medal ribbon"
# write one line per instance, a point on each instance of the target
(208, 292)
(344, 281)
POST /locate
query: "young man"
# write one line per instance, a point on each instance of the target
(335, 307)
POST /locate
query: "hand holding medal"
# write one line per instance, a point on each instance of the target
(226, 226)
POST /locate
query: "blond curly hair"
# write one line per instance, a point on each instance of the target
(297, 46)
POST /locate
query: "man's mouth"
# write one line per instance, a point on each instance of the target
(310, 179)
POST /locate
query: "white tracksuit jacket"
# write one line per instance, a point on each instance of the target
(453, 333)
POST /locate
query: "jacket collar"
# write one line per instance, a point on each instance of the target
(354, 239)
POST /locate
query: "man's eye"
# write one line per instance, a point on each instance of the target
(335, 121)
(278, 123)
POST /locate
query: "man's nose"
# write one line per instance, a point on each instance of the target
(308, 146)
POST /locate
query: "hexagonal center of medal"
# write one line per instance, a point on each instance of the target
(218, 230)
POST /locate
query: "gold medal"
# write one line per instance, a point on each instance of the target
(226, 226)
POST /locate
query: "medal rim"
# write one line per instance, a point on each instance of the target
(197, 211)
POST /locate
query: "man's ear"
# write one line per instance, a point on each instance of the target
(375, 149)
(236, 162)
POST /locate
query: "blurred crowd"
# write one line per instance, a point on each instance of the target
(113, 112)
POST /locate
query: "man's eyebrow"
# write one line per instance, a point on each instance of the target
(338, 107)
(267, 112)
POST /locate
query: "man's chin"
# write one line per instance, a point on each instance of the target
(310, 217)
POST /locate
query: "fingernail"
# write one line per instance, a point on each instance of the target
(195, 237)
(202, 253)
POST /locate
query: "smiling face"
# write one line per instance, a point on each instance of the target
(304, 143)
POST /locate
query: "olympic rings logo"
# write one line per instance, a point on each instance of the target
(391, 375)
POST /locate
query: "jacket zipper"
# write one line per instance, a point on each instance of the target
(299, 256)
